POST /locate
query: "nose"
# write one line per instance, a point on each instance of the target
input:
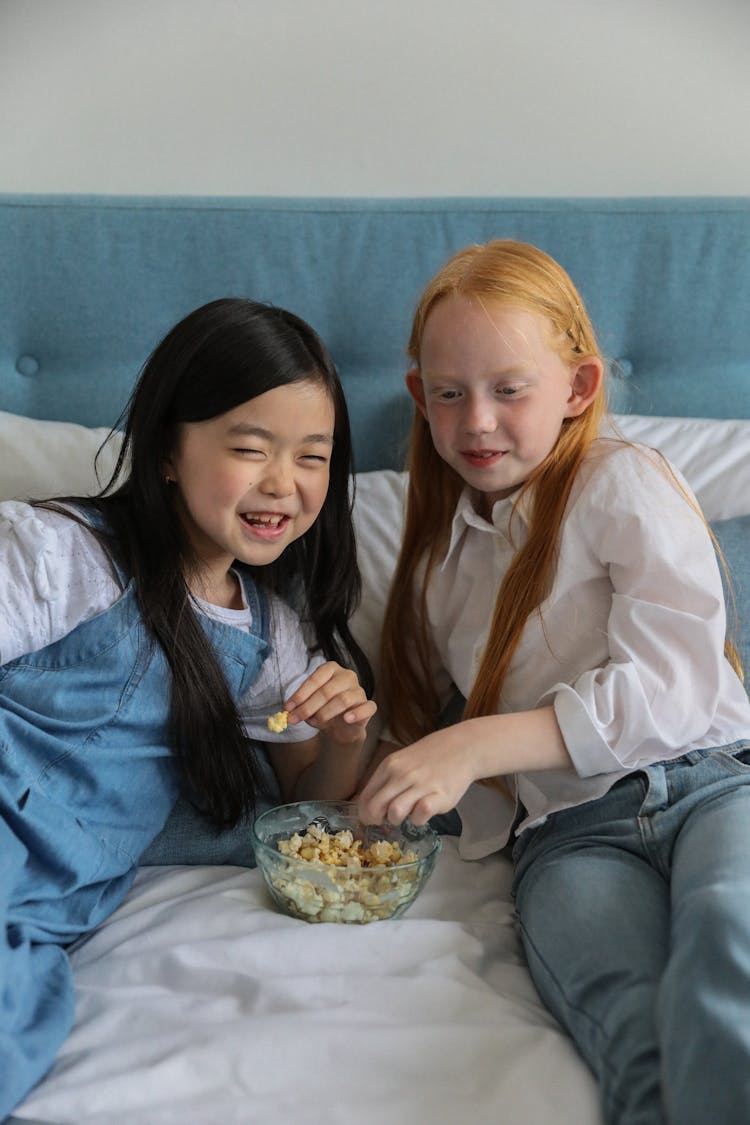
(278, 478)
(479, 415)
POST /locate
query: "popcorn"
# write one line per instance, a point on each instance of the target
(346, 892)
(342, 850)
(278, 722)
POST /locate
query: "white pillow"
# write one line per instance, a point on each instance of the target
(713, 454)
(378, 521)
(40, 458)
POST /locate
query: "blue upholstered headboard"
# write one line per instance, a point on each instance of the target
(90, 284)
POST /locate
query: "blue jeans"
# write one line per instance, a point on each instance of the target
(634, 913)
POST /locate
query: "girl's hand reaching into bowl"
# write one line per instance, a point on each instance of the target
(418, 781)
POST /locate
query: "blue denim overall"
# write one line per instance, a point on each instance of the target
(86, 781)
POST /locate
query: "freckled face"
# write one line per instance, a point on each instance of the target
(493, 391)
(254, 479)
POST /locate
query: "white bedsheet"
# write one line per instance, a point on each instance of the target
(198, 1004)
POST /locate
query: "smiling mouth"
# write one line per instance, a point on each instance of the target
(265, 524)
(263, 520)
(483, 456)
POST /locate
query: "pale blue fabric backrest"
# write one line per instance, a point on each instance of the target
(88, 285)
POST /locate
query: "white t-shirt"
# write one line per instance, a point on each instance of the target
(54, 574)
(629, 645)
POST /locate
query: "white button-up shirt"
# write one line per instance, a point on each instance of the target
(628, 646)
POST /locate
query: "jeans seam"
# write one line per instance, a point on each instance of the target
(598, 1027)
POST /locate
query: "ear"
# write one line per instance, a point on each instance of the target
(584, 385)
(415, 387)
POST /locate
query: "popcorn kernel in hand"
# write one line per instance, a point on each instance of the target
(278, 722)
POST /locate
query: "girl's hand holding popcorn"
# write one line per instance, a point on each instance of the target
(333, 701)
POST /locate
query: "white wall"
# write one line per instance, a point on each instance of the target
(375, 97)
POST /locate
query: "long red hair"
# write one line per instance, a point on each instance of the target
(517, 275)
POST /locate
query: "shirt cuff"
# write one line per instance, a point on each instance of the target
(589, 751)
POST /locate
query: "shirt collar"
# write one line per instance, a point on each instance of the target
(466, 516)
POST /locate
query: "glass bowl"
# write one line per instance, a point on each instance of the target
(317, 891)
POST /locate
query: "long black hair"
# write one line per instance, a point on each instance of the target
(219, 356)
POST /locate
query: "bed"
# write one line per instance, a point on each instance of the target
(196, 1001)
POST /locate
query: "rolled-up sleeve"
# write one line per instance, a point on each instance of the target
(658, 690)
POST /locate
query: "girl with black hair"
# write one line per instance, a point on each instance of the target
(147, 634)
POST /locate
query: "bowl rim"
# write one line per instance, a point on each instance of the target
(318, 865)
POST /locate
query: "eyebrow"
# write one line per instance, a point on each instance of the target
(246, 430)
(505, 373)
